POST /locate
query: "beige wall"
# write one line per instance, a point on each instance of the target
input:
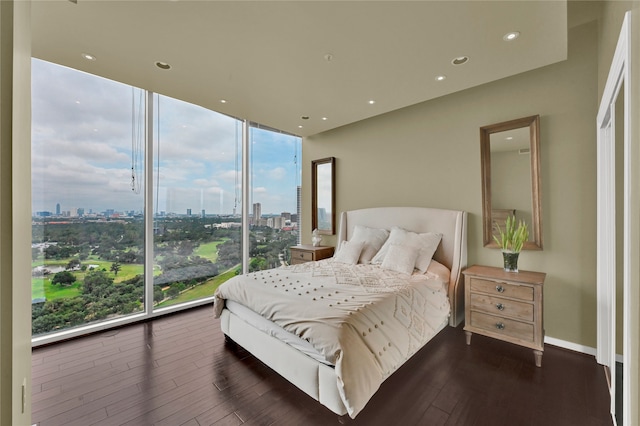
(406, 158)
(429, 155)
(15, 220)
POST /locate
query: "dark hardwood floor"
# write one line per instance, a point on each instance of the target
(177, 370)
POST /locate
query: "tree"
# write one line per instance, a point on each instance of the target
(115, 267)
(63, 278)
(97, 285)
(257, 264)
(158, 295)
(73, 264)
(173, 292)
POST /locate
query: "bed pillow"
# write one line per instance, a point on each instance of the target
(372, 238)
(349, 252)
(427, 243)
(400, 258)
(439, 271)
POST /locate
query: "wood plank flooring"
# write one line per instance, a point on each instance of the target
(176, 370)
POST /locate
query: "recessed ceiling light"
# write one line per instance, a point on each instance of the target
(511, 36)
(460, 60)
(441, 77)
(371, 102)
(324, 118)
(299, 127)
(89, 57)
(223, 101)
(509, 138)
(163, 65)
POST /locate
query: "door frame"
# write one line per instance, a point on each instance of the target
(619, 79)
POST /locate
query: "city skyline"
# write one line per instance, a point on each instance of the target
(82, 212)
(87, 151)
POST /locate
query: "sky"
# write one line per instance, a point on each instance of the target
(88, 151)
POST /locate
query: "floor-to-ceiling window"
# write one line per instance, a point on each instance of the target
(275, 179)
(87, 247)
(100, 177)
(197, 227)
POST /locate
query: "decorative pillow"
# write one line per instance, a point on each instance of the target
(400, 258)
(372, 238)
(439, 271)
(427, 243)
(349, 252)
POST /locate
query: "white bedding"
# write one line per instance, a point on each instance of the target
(273, 329)
(365, 320)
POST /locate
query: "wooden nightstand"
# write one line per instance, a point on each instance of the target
(505, 306)
(309, 253)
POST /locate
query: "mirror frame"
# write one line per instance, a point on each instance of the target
(314, 195)
(533, 123)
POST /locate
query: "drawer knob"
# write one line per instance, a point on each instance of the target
(500, 326)
(499, 289)
(500, 307)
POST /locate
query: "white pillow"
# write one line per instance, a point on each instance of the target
(439, 271)
(400, 258)
(372, 238)
(349, 252)
(427, 243)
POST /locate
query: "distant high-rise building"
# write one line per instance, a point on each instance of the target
(275, 222)
(188, 212)
(257, 213)
(285, 215)
(203, 214)
(58, 209)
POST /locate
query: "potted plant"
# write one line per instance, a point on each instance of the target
(511, 242)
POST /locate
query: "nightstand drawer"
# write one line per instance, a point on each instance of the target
(501, 289)
(306, 256)
(502, 306)
(308, 253)
(503, 326)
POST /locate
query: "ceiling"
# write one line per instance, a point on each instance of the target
(276, 62)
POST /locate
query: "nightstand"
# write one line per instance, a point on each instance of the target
(309, 253)
(505, 306)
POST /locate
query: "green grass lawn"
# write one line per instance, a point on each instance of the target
(42, 287)
(209, 250)
(203, 290)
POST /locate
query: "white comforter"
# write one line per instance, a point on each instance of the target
(365, 320)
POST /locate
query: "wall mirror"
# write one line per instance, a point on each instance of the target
(510, 155)
(323, 195)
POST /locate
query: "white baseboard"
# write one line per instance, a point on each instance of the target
(575, 347)
(570, 345)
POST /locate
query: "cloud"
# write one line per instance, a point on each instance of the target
(87, 134)
(278, 173)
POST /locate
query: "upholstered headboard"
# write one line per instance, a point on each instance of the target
(452, 251)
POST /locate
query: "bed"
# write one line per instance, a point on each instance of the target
(337, 328)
